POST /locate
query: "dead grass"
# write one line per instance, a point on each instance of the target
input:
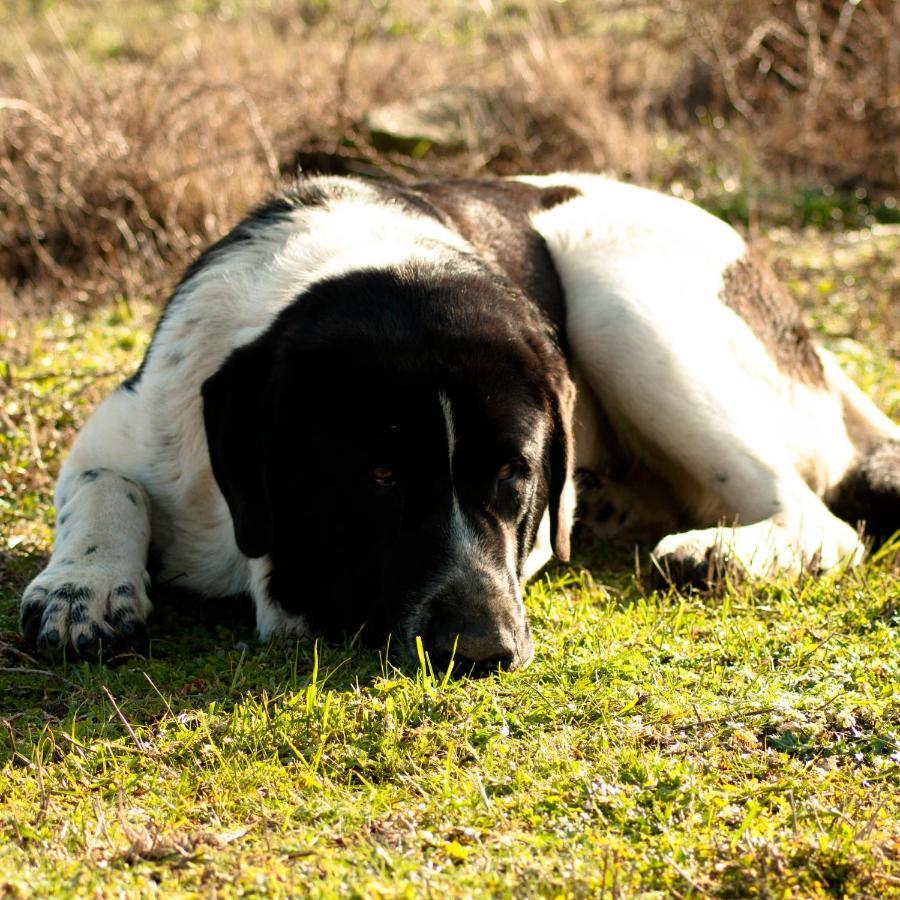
(819, 82)
(131, 135)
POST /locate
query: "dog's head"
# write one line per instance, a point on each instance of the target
(393, 443)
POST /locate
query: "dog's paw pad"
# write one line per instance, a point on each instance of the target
(87, 613)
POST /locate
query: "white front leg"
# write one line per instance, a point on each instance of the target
(94, 591)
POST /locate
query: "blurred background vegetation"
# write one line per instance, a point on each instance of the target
(131, 134)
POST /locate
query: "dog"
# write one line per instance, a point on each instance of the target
(366, 406)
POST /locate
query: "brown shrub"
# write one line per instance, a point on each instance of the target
(114, 171)
(108, 173)
(817, 81)
(111, 176)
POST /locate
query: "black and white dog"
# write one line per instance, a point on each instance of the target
(365, 407)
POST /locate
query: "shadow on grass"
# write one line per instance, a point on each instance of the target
(204, 652)
(625, 568)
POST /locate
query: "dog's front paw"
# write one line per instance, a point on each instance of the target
(86, 611)
(690, 560)
(763, 550)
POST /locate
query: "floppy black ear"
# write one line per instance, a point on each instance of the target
(235, 420)
(562, 462)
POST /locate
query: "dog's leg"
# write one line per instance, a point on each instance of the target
(725, 416)
(94, 591)
(869, 490)
(789, 542)
(667, 358)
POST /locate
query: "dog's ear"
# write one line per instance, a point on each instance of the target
(562, 462)
(234, 402)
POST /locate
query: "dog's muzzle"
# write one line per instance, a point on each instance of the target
(480, 629)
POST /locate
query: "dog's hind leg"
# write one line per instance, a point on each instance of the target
(710, 404)
(870, 492)
(94, 593)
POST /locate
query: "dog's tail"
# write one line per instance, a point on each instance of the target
(870, 492)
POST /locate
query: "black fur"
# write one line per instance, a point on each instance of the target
(494, 217)
(347, 379)
(870, 492)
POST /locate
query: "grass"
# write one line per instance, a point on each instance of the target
(660, 743)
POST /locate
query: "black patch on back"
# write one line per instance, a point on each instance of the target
(410, 199)
(494, 216)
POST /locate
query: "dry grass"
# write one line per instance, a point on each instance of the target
(133, 134)
(818, 81)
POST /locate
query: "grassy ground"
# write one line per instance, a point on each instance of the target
(667, 744)
(743, 745)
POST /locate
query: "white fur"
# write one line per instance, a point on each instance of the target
(449, 428)
(541, 552)
(676, 371)
(100, 553)
(676, 368)
(271, 619)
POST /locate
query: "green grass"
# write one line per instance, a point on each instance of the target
(732, 746)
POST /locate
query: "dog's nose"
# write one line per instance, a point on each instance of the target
(475, 654)
(480, 652)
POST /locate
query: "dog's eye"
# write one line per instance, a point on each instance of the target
(509, 471)
(383, 476)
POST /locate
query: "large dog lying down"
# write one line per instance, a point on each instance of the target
(366, 405)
